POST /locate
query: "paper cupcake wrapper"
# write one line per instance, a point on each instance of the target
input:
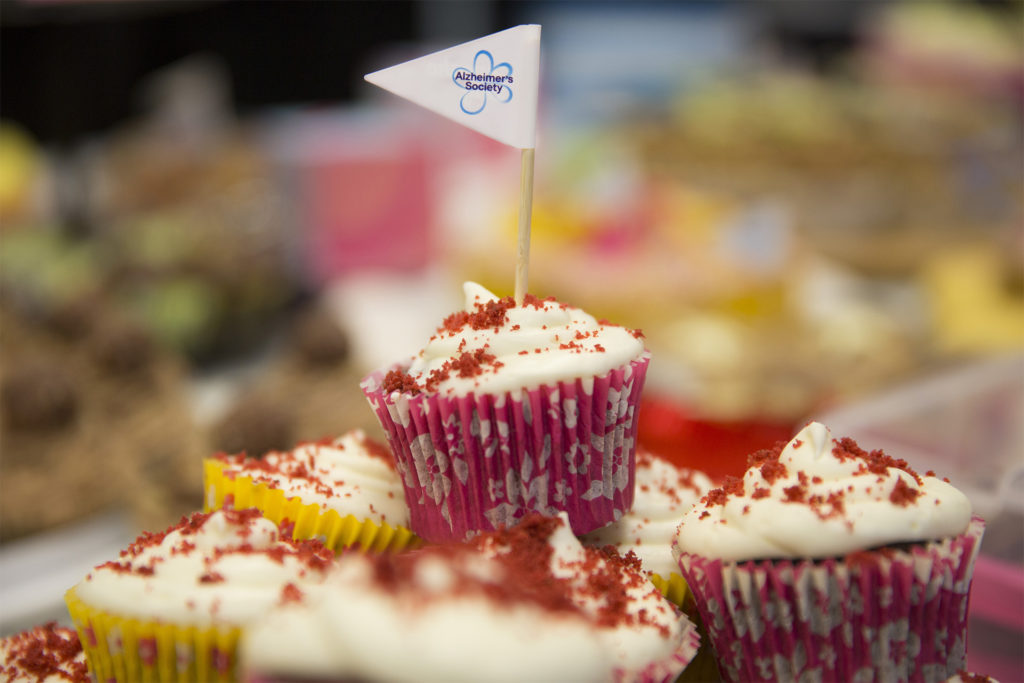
(889, 614)
(666, 670)
(127, 650)
(481, 462)
(335, 531)
(703, 668)
(673, 587)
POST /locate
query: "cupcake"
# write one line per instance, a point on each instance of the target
(344, 492)
(44, 654)
(510, 409)
(829, 562)
(526, 604)
(173, 605)
(664, 492)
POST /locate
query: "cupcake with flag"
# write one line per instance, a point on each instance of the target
(510, 409)
(344, 492)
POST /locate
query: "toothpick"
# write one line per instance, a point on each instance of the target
(525, 212)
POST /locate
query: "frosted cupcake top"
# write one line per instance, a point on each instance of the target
(223, 567)
(526, 604)
(44, 654)
(820, 497)
(664, 493)
(494, 346)
(352, 475)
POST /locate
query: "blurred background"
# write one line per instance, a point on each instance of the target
(211, 228)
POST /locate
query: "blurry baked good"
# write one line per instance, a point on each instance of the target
(90, 422)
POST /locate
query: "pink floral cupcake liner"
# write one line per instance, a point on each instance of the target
(480, 462)
(886, 615)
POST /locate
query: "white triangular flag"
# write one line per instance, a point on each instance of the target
(489, 84)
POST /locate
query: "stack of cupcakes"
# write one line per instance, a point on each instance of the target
(457, 556)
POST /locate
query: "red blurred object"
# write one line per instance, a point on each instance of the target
(717, 447)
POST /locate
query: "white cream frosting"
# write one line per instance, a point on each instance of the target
(866, 512)
(223, 568)
(434, 627)
(537, 343)
(663, 494)
(353, 628)
(346, 475)
(631, 645)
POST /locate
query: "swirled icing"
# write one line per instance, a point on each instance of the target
(351, 475)
(529, 603)
(494, 346)
(223, 567)
(821, 497)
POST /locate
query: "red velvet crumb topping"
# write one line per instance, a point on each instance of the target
(871, 463)
(300, 463)
(312, 554)
(524, 557)
(875, 462)
(42, 652)
(492, 314)
(903, 495)
(400, 381)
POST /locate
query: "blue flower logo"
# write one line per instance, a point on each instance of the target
(485, 79)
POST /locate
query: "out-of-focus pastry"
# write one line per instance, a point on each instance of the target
(343, 491)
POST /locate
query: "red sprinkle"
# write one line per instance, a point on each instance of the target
(903, 495)
(211, 577)
(290, 593)
(398, 380)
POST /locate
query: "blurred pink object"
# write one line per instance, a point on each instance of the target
(359, 186)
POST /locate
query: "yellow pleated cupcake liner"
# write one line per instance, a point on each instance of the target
(703, 668)
(674, 588)
(335, 531)
(129, 650)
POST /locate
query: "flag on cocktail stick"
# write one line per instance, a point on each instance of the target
(491, 85)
